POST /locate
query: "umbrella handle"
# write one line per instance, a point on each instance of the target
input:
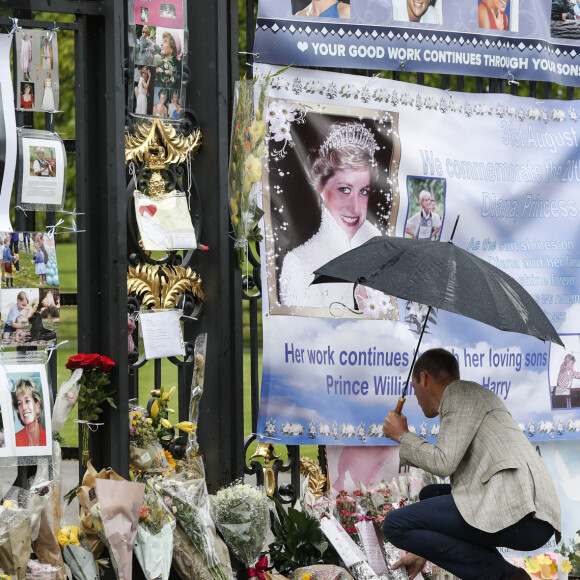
(400, 404)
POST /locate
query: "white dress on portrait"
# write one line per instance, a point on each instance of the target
(48, 97)
(141, 108)
(300, 263)
(46, 57)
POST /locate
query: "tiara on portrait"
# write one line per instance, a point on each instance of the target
(349, 134)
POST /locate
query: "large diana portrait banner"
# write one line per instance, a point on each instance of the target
(509, 39)
(350, 158)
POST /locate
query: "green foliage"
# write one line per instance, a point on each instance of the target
(572, 552)
(299, 541)
(92, 394)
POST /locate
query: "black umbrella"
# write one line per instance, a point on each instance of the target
(441, 275)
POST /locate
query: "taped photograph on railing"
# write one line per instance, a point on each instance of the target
(159, 39)
(25, 411)
(42, 167)
(29, 317)
(37, 76)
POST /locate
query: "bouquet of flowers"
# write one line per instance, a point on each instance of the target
(115, 516)
(346, 513)
(146, 453)
(188, 500)
(242, 514)
(165, 431)
(541, 566)
(247, 147)
(154, 544)
(79, 559)
(15, 541)
(197, 383)
(92, 394)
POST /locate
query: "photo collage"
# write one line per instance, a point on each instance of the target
(159, 57)
(37, 79)
(29, 298)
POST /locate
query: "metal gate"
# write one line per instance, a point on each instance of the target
(101, 71)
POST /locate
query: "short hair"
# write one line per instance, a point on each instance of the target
(439, 363)
(39, 150)
(424, 194)
(145, 28)
(567, 359)
(172, 42)
(21, 295)
(349, 157)
(26, 385)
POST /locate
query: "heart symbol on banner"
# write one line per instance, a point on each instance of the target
(302, 46)
(150, 209)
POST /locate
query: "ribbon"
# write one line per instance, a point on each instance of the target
(258, 571)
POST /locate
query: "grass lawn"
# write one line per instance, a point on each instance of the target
(67, 267)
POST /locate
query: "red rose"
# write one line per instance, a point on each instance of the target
(107, 364)
(75, 362)
(91, 361)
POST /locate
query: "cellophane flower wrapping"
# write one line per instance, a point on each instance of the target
(154, 543)
(44, 502)
(116, 516)
(197, 384)
(145, 452)
(15, 535)
(245, 171)
(241, 513)
(78, 557)
(189, 502)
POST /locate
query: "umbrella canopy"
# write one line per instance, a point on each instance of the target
(441, 275)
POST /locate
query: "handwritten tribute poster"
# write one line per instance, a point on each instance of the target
(508, 166)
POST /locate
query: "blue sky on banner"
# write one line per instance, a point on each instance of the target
(509, 166)
(448, 39)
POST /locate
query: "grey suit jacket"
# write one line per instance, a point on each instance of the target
(497, 477)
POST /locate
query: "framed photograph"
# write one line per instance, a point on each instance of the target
(29, 316)
(42, 170)
(25, 411)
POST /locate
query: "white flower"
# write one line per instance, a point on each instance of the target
(370, 307)
(434, 430)
(558, 115)
(511, 111)
(418, 310)
(522, 427)
(572, 114)
(270, 428)
(287, 111)
(384, 302)
(273, 111)
(534, 113)
(280, 130)
(413, 429)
